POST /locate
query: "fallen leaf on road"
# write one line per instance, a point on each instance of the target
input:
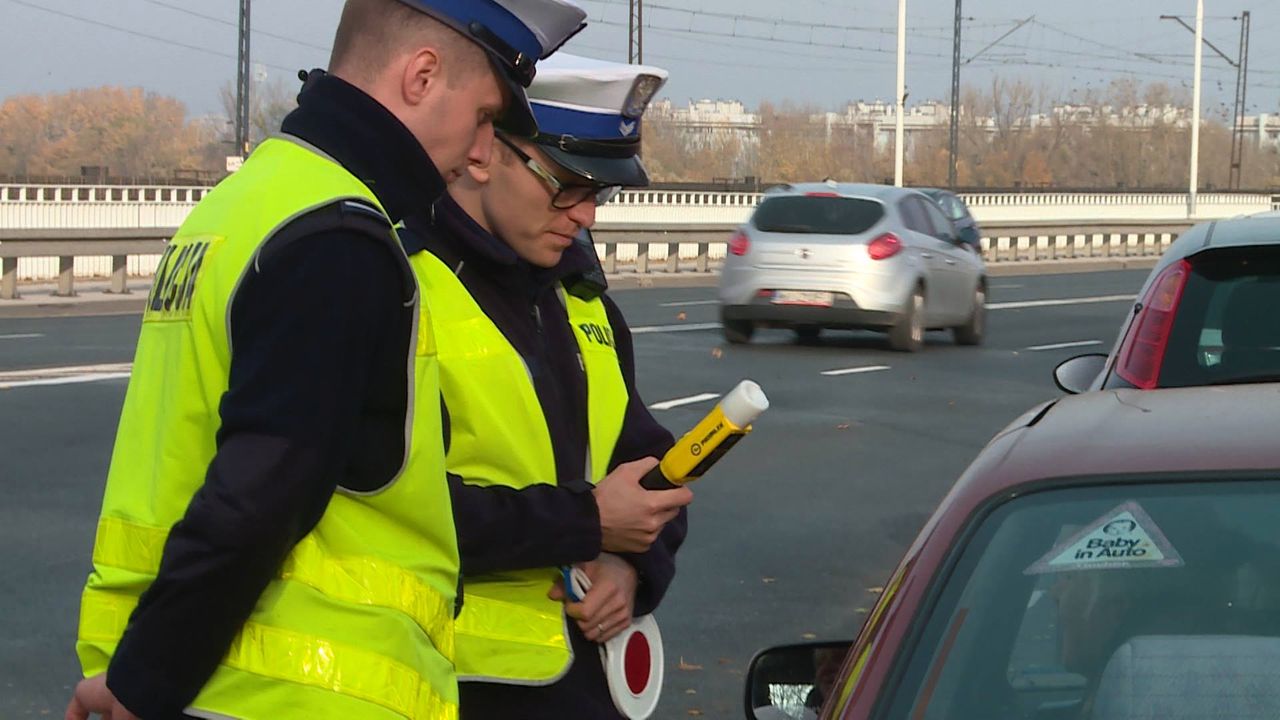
(809, 636)
(877, 589)
(687, 667)
(842, 426)
(690, 691)
(767, 580)
(726, 661)
(681, 315)
(860, 611)
(695, 712)
(716, 353)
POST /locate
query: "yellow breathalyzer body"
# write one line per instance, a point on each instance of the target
(697, 450)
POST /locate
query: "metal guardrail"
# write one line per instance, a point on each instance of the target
(672, 249)
(118, 244)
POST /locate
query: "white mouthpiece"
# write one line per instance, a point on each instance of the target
(744, 403)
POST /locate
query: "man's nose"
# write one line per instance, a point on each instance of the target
(584, 213)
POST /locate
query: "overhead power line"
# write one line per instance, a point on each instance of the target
(221, 21)
(139, 34)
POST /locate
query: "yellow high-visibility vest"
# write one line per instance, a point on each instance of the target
(359, 623)
(509, 631)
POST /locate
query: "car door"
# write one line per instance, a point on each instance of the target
(959, 267)
(944, 289)
(927, 247)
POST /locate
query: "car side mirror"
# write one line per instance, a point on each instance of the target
(791, 682)
(1076, 375)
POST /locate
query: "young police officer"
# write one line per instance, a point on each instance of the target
(547, 436)
(276, 539)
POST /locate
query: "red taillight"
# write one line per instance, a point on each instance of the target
(885, 246)
(739, 244)
(1142, 353)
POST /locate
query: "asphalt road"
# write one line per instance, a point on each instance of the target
(791, 534)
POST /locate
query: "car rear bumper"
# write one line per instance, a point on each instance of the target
(844, 313)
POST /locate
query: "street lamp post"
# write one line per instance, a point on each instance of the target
(902, 92)
(1195, 112)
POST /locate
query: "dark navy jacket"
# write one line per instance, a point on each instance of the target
(544, 525)
(317, 400)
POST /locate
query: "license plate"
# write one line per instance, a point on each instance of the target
(803, 297)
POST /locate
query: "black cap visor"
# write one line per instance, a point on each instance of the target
(618, 166)
(517, 117)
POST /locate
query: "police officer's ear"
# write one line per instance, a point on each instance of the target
(422, 73)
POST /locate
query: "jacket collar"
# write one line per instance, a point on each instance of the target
(365, 138)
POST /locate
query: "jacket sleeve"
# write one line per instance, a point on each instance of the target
(643, 436)
(501, 528)
(299, 379)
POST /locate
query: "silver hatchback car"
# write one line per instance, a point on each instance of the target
(851, 256)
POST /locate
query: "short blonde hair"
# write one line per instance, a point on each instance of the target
(371, 33)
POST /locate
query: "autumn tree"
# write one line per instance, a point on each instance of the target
(126, 130)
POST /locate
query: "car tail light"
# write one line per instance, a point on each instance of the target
(739, 244)
(1142, 353)
(885, 246)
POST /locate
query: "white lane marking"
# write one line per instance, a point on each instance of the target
(1062, 345)
(22, 336)
(645, 329)
(65, 370)
(668, 404)
(65, 375)
(853, 370)
(1064, 301)
(66, 380)
(689, 302)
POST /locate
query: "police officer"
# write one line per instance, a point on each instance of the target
(276, 539)
(547, 435)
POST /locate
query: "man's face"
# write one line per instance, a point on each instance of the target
(455, 126)
(517, 204)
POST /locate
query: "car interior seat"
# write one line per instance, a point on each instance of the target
(1251, 331)
(1186, 677)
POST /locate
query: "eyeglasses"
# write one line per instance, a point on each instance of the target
(563, 196)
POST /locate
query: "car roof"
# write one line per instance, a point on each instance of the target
(1257, 230)
(1119, 432)
(867, 190)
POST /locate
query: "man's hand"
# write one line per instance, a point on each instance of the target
(606, 610)
(630, 516)
(92, 696)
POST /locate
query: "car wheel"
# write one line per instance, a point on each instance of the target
(907, 335)
(738, 332)
(806, 334)
(972, 331)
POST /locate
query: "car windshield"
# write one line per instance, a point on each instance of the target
(1227, 329)
(817, 214)
(1091, 603)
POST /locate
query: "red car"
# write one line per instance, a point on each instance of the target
(1108, 555)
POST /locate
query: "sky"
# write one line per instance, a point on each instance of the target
(819, 53)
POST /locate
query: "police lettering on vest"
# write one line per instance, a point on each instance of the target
(600, 334)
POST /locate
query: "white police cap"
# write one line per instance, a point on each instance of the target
(588, 113)
(515, 34)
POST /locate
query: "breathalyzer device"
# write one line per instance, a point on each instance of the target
(697, 450)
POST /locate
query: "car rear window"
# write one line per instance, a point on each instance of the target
(817, 214)
(1071, 603)
(1227, 326)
